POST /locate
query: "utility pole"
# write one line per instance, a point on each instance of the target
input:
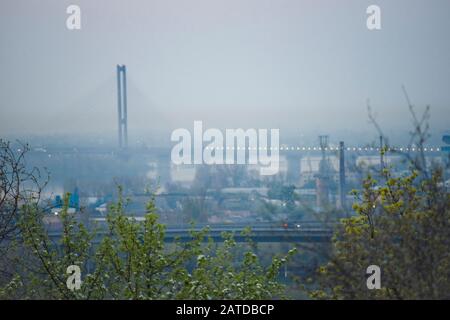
(381, 153)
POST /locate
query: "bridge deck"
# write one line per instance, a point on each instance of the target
(259, 233)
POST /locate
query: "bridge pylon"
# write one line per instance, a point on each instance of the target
(122, 106)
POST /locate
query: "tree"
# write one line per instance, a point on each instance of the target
(401, 224)
(18, 185)
(132, 261)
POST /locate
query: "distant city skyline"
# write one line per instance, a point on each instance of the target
(305, 67)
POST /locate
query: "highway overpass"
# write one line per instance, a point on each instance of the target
(260, 232)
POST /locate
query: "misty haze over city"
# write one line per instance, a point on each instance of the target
(224, 150)
(301, 66)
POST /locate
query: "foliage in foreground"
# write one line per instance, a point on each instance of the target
(132, 261)
(403, 226)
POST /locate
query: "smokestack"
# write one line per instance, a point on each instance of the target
(342, 192)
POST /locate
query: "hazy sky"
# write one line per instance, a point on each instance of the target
(298, 65)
